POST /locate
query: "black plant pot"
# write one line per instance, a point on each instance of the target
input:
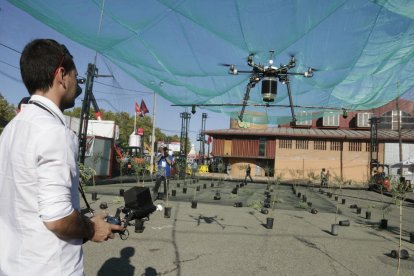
(412, 237)
(403, 254)
(173, 192)
(368, 214)
(167, 212)
(217, 196)
(294, 191)
(344, 223)
(334, 229)
(234, 191)
(178, 185)
(194, 204)
(304, 198)
(238, 204)
(121, 192)
(343, 201)
(198, 188)
(299, 195)
(358, 210)
(310, 204)
(336, 198)
(204, 186)
(314, 211)
(383, 224)
(269, 223)
(330, 195)
(139, 226)
(94, 196)
(184, 190)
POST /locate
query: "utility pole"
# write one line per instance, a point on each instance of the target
(153, 136)
(203, 136)
(92, 73)
(185, 120)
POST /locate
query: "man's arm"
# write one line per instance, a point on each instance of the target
(76, 226)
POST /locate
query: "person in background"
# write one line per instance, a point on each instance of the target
(163, 160)
(22, 104)
(328, 178)
(324, 181)
(248, 172)
(41, 227)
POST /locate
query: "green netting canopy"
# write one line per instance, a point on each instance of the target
(363, 49)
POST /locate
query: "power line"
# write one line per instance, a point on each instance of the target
(10, 65)
(126, 89)
(10, 48)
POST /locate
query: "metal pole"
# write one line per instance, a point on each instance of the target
(153, 136)
(203, 136)
(84, 119)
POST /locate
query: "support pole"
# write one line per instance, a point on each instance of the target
(153, 136)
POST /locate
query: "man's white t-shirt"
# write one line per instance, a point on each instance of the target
(38, 183)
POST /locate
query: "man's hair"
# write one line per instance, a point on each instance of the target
(39, 61)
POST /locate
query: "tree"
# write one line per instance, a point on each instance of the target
(7, 112)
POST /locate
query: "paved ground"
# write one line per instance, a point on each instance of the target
(219, 239)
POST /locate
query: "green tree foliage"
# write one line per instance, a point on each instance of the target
(7, 112)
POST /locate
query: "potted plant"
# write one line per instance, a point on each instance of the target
(194, 201)
(368, 213)
(221, 167)
(399, 190)
(168, 207)
(86, 174)
(385, 209)
(274, 201)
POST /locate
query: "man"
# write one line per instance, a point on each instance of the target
(324, 180)
(41, 228)
(248, 171)
(163, 161)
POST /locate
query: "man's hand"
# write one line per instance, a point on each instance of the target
(102, 229)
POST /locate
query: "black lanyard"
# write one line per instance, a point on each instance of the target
(45, 108)
(80, 186)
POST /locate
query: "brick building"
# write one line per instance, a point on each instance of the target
(342, 145)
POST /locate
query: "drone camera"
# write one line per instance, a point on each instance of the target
(344, 113)
(193, 109)
(269, 89)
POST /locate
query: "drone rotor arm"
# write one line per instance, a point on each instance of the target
(292, 109)
(245, 99)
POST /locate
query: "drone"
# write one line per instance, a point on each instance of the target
(269, 75)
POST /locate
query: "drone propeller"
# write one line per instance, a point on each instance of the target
(226, 64)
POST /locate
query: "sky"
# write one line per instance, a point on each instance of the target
(17, 28)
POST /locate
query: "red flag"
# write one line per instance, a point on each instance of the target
(209, 140)
(144, 109)
(137, 109)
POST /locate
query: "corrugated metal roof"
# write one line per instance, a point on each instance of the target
(340, 134)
